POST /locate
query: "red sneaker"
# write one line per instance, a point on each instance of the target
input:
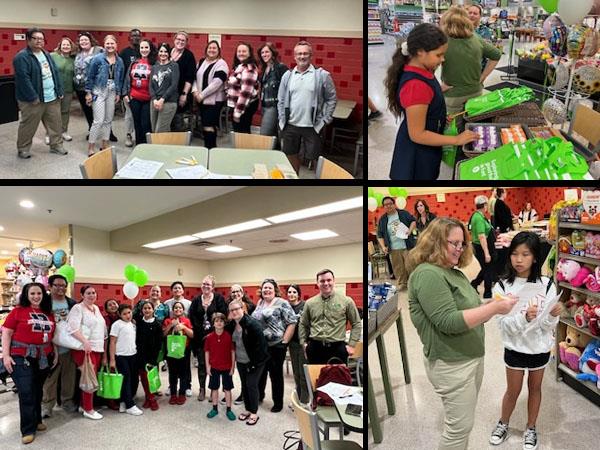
(173, 400)
(112, 404)
(153, 405)
(181, 399)
(146, 404)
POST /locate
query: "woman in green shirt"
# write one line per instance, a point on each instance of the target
(64, 58)
(449, 317)
(483, 245)
(461, 71)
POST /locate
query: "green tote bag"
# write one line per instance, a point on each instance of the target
(176, 345)
(153, 378)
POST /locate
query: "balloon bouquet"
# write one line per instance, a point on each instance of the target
(136, 278)
(35, 264)
(375, 198)
(577, 42)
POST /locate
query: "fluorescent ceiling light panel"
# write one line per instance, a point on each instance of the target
(1, 228)
(327, 208)
(231, 229)
(312, 235)
(168, 242)
(26, 204)
(223, 249)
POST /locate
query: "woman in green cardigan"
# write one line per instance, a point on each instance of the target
(449, 317)
(64, 58)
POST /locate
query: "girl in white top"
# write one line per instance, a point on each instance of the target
(123, 357)
(527, 338)
(87, 325)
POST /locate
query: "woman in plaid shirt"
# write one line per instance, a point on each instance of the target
(242, 91)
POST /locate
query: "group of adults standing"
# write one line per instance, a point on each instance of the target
(158, 86)
(314, 330)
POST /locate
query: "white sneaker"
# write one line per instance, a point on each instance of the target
(122, 407)
(134, 411)
(67, 137)
(47, 140)
(195, 362)
(94, 415)
(188, 393)
(499, 434)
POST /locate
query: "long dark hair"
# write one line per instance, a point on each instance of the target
(425, 205)
(45, 304)
(532, 242)
(274, 52)
(249, 60)
(426, 37)
(153, 51)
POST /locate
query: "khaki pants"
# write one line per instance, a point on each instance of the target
(65, 369)
(457, 383)
(457, 104)
(65, 110)
(398, 258)
(31, 115)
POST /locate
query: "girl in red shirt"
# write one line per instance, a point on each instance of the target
(28, 353)
(414, 94)
(137, 90)
(177, 367)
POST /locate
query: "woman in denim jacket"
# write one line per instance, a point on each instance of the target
(103, 89)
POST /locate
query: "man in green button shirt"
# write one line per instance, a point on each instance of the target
(322, 329)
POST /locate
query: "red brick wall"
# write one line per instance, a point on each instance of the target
(106, 291)
(460, 204)
(342, 57)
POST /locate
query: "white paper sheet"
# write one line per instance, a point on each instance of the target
(543, 312)
(189, 172)
(402, 231)
(218, 176)
(140, 168)
(343, 394)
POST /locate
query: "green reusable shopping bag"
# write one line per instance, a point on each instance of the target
(497, 100)
(176, 345)
(153, 378)
(101, 372)
(449, 151)
(112, 385)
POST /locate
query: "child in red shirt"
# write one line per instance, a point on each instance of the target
(220, 363)
(177, 367)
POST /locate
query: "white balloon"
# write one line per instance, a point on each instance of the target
(400, 202)
(372, 204)
(130, 289)
(572, 12)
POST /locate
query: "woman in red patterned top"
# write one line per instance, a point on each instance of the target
(136, 90)
(242, 92)
(28, 353)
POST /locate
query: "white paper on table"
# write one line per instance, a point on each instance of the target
(218, 176)
(343, 394)
(402, 231)
(194, 172)
(543, 313)
(140, 168)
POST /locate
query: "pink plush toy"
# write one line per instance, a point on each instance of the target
(567, 270)
(592, 282)
(581, 276)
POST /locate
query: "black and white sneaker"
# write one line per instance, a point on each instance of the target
(530, 440)
(499, 434)
(239, 400)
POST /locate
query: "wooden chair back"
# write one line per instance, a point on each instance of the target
(330, 170)
(101, 166)
(253, 141)
(170, 138)
(307, 422)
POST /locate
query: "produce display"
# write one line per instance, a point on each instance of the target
(513, 135)
(488, 139)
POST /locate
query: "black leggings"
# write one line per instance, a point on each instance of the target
(141, 119)
(274, 368)
(250, 380)
(179, 371)
(243, 126)
(486, 274)
(87, 110)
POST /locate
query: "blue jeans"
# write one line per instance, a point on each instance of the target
(29, 380)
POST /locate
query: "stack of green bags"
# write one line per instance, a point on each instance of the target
(536, 159)
(497, 100)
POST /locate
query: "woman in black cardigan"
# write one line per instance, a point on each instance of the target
(187, 73)
(251, 355)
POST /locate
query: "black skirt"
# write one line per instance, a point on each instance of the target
(517, 360)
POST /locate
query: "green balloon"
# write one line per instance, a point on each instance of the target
(371, 191)
(141, 277)
(68, 272)
(130, 270)
(402, 192)
(393, 191)
(549, 5)
(379, 198)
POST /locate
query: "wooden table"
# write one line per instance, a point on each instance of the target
(231, 161)
(353, 423)
(168, 154)
(377, 335)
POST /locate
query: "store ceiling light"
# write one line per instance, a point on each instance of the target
(231, 229)
(327, 208)
(223, 249)
(169, 242)
(316, 234)
(26, 204)
(18, 244)
(1, 228)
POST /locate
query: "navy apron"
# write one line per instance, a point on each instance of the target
(412, 161)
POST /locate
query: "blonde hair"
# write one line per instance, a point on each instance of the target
(211, 278)
(187, 37)
(110, 36)
(73, 51)
(432, 244)
(456, 24)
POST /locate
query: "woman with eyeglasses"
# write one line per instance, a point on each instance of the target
(278, 321)
(449, 317)
(251, 355)
(187, 73)
(237, 293)
(483, 238)
(296, 350)
(200, 313)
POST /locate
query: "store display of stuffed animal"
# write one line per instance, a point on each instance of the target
(589, 362)
(581, 276)
(594, 322)
(592, 245)
(566, 270)
(572, 347)
(575, 301)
